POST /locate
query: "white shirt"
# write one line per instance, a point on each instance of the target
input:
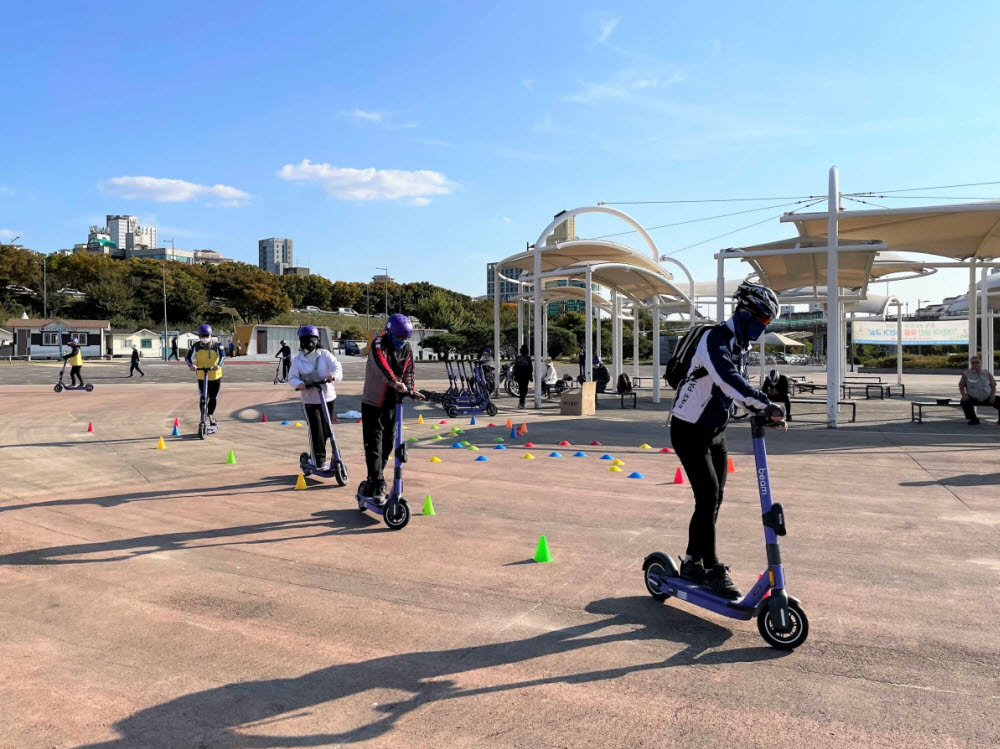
(550, 375)
(316, 365)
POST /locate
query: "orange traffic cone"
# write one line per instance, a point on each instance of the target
(524, 428)
(509, 424)
(679, 477)
(730, 468)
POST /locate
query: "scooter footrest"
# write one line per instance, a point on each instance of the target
(775, 518)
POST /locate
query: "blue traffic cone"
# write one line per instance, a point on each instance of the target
(472, 421)
(176, 432)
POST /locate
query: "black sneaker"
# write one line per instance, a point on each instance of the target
(717, 580)
(378, 493)
(974, 422)
(693, 570)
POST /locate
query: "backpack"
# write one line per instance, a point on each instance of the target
(624, 384)
(680, 362)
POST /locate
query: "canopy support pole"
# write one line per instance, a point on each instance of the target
(536, 278)
(987, 343)
(899, 342)
(615, 351)
(656, 352)
(496, 318)
(833, 347)
(635, 342)
(720, 290)
(598, 348)
(520, 326)
(545, 331)
(588, 332)
(973, 343)
(762, 358)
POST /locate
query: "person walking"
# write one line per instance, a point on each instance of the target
(173, 350)
(134, 366)
(285, 353)
(523, 370)
(700, 414)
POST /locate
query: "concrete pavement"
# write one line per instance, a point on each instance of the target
(166, 599)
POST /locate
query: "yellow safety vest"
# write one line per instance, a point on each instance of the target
(76, 359)
(205, 357)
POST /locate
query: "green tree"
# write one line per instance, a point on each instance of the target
(112, 298)
(18, 268)
(444, 344)
(440, 310)
(255, 294)
(561, 341)
(346, 294)
(477, 337)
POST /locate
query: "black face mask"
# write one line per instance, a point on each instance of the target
(309, 343)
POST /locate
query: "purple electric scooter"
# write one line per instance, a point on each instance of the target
(780, 618)
(395, 512)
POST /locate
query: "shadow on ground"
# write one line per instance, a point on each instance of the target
(214, 717)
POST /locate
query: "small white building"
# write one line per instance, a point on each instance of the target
(119, 343)
(49, 339)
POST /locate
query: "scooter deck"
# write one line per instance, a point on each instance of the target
(686, 590)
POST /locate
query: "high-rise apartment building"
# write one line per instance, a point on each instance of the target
(127, 234)
(275, 254)
(509, 290)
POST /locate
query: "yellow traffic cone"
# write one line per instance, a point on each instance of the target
(300, 482)
(420, 418)
(161, 445)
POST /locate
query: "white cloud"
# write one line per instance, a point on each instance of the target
(606, 27)
(4, 190)
(529, 83)
(170, 190)
(361, 115)
(378, 119)
(435, 142)
(370, 184)
(506, 220)
(8, 234)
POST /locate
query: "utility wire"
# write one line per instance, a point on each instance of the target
(734, 231)
(917, 189)
(925, 197)
(710, 200)
(866, 202)
(704, 218)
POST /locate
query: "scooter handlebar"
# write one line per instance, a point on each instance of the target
(772, 415)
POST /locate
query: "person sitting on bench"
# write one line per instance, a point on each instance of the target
(978, 388)
(775, 387)
(601, 375)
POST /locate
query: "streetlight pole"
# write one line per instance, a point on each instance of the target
(163, 348)
(386, 279)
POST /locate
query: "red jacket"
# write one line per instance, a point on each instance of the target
(386, 366)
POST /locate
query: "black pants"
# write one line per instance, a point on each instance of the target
(75, 374)
(547, 389)
(969, 407)
(377, 424)
(319, 432)
(285, 366)
(213, 395)
(702, 452)
(522, 390)
(173, 354)
(133, 368)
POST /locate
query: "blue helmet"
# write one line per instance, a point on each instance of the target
(73, 342)
(308, 330)
(204, 329)
(399, 326)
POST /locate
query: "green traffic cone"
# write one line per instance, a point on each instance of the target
(542, 552)
(428, 506)
(231, 458)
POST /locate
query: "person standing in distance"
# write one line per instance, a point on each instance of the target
(134, 365)
(698, 425)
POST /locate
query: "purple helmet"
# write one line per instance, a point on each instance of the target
(399, 325)
(73, 342)
(204, 329)
(308, 330)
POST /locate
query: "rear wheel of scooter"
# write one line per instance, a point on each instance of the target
(340, 473)
(451, 411)
(656, 564)
(784, 640)
(397, 514)
(89, 388)
(58, 388)
(491, 410)
(203, 430)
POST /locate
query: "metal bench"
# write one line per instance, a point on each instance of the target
(917, 407)
(852, 404)
(613, 394)
(863, 378)
(847, 389)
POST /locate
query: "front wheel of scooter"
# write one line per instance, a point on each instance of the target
(202, 431)
(452, 412)
(397, 514)
(659, 565)
(491, 410)
(89, 388)
(58, 388)
(340, 473)
(784, 640)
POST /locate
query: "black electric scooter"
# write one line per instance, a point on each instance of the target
(204, 427)
(307, 460)
(395, 512)
(59, 386)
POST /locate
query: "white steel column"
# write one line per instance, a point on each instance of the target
(496, 318)
(537, 279)
(762, 357)
(656, 351)
(899, 342)
(984, 299)
(588, 329)
(720, 290)
(597, 334)
(545, 331)
(616, 324)
(973, 332)
(635, 341)
(520, 326)
(833, 342)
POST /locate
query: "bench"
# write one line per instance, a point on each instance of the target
(614, 394)
(852, 404)
(917, 407)
(811, 387)
(863, 378)
(847, 389)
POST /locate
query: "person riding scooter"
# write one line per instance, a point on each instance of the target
(75, 360)
(315, 364)
(207, 354)
(697, 428)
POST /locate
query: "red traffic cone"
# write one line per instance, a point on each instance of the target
(564, 443)
(667, 450)
(90, 426)
(731, 467)
(177, 422)
(595, 443)
(679, 476)
(263, 418)
(528, 444)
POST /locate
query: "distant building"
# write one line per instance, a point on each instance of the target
(509, 290)
(382, 278)
(162, 253)
(48, 339)
(295, 270)
(127, 234)
(563, 232)
(275, 254)
(208, 256)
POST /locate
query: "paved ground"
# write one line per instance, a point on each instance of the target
(165, 599)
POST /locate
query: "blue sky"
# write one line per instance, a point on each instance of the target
(433, 137)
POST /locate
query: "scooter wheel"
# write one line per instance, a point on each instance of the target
(451, 411)
(304, 458)
(89, 388)
(491, 410)
(202, 431)
(784, 640)
(58, 388)
(656, 564)
(397, 514)
(340, 473)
